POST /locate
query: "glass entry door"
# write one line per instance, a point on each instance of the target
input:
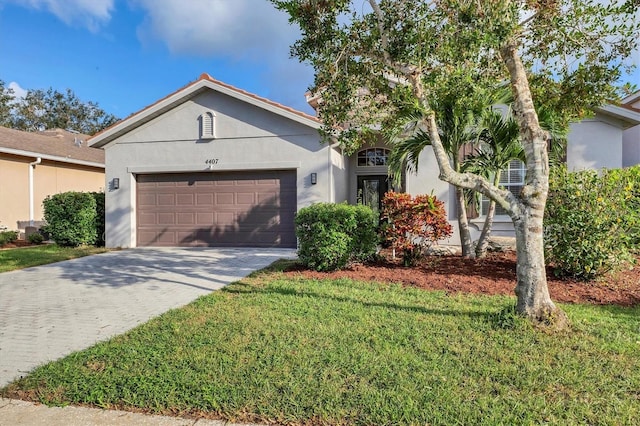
(371, 190)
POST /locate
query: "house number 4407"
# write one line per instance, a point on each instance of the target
(211, 161)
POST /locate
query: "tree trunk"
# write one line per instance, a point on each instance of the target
(466, 243)
(483, 240)
(532, 291)
(533, 295)
(527, 211)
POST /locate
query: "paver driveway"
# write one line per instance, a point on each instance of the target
(49, 311)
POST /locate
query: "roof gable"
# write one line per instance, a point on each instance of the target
(205, 82)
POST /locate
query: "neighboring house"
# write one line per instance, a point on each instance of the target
(213, 165)
(34, 165)
(631, 136)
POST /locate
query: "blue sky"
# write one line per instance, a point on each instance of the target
(126, 54)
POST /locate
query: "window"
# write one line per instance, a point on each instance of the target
(511, 178)
(207, 125)
(373, 157)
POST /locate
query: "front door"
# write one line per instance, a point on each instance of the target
(371, 190)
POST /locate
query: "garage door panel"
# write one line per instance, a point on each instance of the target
(185, 199)
(204, 199)
(185, 218)
(217, 209)
(245, 198)
(205, 218)
(224, 198)
(166, 199)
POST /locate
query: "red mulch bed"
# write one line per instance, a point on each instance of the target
(496, 274)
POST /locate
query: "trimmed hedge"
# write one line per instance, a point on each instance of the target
(332, 235)
(71, 218)
(592, 221)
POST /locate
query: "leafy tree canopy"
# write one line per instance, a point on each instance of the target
(51, 109)
(573, 52)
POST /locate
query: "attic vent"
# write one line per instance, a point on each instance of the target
(207, 125)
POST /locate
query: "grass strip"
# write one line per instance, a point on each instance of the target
(20, 258)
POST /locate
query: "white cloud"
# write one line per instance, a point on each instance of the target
(91, 14)
(235, 28)
(252, 32)
(18, 92)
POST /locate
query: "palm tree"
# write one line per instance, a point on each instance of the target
(499, 144)
(456, 124)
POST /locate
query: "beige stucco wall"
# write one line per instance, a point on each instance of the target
(48, 178)
(247, 138)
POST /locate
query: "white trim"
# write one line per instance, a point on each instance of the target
(216, 168)
(631, 118)
(51, 157)
(631, 99)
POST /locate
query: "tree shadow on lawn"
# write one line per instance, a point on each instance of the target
(243, 288)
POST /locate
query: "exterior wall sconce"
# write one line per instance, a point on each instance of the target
(314, 178)
(115, 183)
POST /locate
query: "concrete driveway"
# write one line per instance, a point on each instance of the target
(49, 311)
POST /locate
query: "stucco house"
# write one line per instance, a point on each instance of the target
(214, 165)
(34, 165)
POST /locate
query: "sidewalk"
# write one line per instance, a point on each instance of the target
(14, 412)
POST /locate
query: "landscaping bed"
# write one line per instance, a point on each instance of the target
(495, 274)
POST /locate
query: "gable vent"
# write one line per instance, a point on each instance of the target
(207, 125)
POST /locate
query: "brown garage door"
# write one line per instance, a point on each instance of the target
(234, 209)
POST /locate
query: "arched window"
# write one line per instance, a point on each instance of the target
(207, 125)
(373, 157)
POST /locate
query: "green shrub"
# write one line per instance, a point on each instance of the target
(627, 183)
(35, 238)
(71, 218)
(331, 235)
(414, 223)
(100, 217)
(7, 237)
(588, 227)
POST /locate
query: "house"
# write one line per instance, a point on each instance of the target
(214, 165)
(34, 165)
(631, 136)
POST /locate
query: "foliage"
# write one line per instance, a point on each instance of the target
(286, 350)
(35, 238)
(100, 218)
(414, 223)
(20, 258)
(592, 220)
(331, 235)
(51, 109)
(71, 218)
(8, 237)
(373, 59)
(6, 97)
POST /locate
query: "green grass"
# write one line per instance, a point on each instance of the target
(26, 257)
(271, 348)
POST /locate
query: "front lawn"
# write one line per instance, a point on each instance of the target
(294, 350)
(19, 258)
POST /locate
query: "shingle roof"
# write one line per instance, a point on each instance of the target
(57, 145)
